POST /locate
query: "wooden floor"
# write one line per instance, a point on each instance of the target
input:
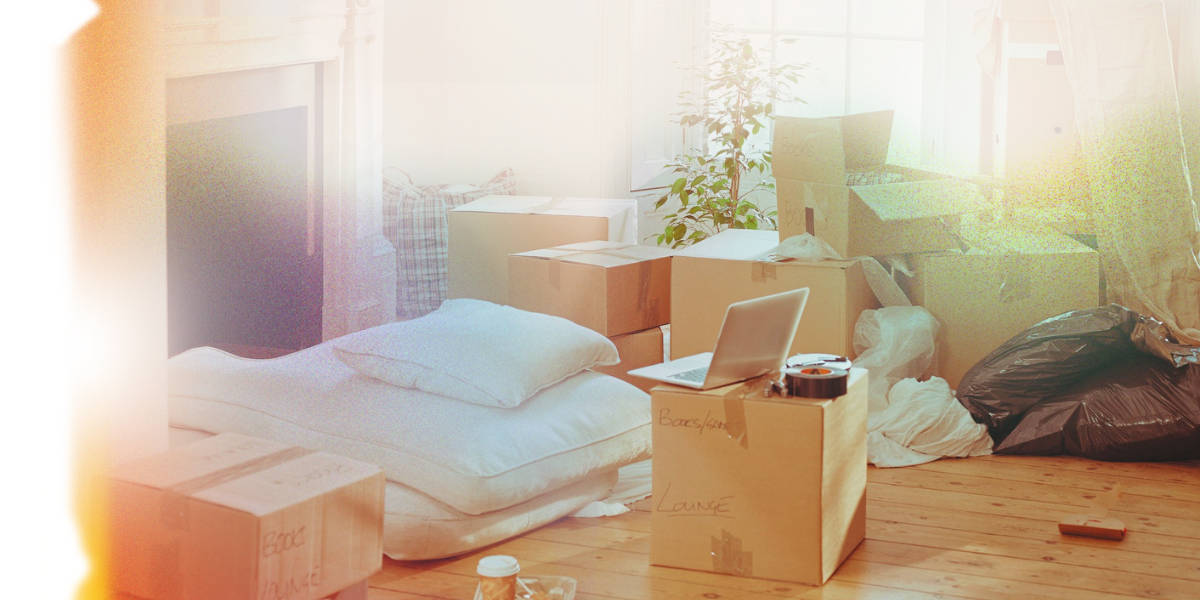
(959, 528)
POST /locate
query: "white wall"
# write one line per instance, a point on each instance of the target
(474, 86)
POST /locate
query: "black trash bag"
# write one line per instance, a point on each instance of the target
(1136, 409)
(1042, 362)
(1104, 383)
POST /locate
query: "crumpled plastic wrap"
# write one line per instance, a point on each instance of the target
(922, 423)
(893, 343)
(910, 422)
(1104, 383)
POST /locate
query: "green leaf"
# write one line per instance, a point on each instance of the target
(678, 185)
(680, 231)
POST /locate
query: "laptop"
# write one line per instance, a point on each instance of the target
(754, 340)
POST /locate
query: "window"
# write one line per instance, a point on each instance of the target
(863, 55)
(916, 57)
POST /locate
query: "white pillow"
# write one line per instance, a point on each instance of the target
(418, 527)
(476, 351)
(474, 458)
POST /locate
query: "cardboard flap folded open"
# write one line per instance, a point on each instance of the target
(822, 150)
(922, 199)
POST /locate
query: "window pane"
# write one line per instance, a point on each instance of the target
(823, 84)
(888, 17)
(821, 15)
(740, 13)
(886, 74)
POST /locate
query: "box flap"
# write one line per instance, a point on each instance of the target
(922, 199)
(865, 138)
(583, 207)
(734, 244)
(822, 150)
(195, 460)
(808, 150)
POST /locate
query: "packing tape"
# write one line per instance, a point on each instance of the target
(729, 558)
(645, 304)
(174, 513)
(555, 272)
(735, 408)
(1012, 269)
(760, 271)
(816, 382)
(546, 206)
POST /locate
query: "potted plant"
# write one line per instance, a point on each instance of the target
(741, 88)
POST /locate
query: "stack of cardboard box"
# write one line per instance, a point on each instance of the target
(833, 182)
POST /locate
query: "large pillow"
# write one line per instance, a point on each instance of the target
(475, 458)
(417, 527)
(415, 222)
(476, 351)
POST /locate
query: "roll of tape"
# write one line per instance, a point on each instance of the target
(816, 382)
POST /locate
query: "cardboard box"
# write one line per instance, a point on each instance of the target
(483, 233)
(1011, 280)
(640, 349)
(731, 266)
(890, 210)
(240, 518)
(787, 501)
(610, 287)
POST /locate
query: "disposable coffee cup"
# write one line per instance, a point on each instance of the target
(498, 577)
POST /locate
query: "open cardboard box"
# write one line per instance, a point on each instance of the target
(832, 180)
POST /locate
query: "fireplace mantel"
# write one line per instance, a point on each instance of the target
(207, 37)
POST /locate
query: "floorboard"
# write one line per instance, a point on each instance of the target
(980, 528)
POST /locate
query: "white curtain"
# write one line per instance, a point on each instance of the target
(1132, 126)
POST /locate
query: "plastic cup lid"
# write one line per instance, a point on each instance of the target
(498, 566)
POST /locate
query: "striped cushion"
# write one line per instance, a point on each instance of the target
(415, 222)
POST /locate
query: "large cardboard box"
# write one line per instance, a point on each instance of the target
(240, 518)
(832, 181)
(1010, 280)
(733, 266)
(786, 500)
(610, 287)
(483, 233)
(639, 349)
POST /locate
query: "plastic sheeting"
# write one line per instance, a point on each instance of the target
(910, 422)
(1118, 57)
(923, 422)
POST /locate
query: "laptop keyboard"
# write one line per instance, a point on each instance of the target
(694, 376)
